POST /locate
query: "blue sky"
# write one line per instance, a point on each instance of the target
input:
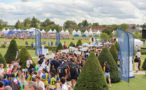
(102, 11)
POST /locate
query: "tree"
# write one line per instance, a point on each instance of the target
(59, 47)
(69, 24)
(107, 56)
(18, 24)
(27, 23)
(72, 44)
(144, 65)
(79, 43)
(114, 52)
(47, 22)
(11, 52)
(91, 77)
(123, 27)
(95, 24)
(23, 56)
(104, 36)
(2, 60)
(35, 22)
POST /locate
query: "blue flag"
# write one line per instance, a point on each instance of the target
(57, 39)
(123, 40)
(37, 41)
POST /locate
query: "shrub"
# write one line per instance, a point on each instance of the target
(79, 43)
(107, 56)
(144, 65)
(2, 60)
(71, 44)
(114, 52)
(92, 76)
(117, 46)
(23, 56)
(59, 47)
(143, 51)
(11, 52)
(3, 46)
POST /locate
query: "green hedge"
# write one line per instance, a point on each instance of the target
(143, 51)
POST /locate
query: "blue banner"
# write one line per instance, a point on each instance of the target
(131, 54)
(131, 44)
(37, 41)
(57, 38)
(123, 40)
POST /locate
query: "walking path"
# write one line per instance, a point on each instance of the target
(140, 73)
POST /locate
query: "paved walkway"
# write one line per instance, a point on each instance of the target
(140, 73)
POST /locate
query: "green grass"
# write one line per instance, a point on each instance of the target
(137, 83)
(21, 42)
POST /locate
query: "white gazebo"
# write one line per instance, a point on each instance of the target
(74, 32)
(86, 33)
(50, 31)
(62, 31)
(43, 31)
(79, 32)
(67, 32)
(54, 31)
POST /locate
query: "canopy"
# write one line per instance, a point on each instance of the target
(62, 32)
(50, 31)
(90, 32)
(138, 42)
(74, 32)
(79, 32)
(54, 31)
(76, 35)
(84, 35)
(67, 32)
(43, 31)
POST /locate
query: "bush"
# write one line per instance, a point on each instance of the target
(107, 56)
(2, 60)
(59, 47)
(144, 65)
(114, 53)
(117, 46)
(3, 46)
(71, 44)
(143, 51)
(92, 76)
(79, 43)
(11, 52)
(23, 56)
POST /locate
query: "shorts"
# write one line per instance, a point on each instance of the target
(106, 74)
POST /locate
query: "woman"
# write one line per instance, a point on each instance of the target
(107, 72)
(29, 62)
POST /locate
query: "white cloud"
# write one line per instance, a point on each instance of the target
(102, 11)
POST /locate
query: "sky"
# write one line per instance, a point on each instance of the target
(101, 11)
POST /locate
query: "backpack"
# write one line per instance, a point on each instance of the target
(41, 61)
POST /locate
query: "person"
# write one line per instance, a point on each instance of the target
(7, 88)
(1, 85)
(107, 72)
(32, 44)
(14, 83)
(29, 62)
(64, 85)
(52, 82)
(136, 60)
(39, 83)
(1, 68)
(31, 86)
(138, 54)
(44, 77)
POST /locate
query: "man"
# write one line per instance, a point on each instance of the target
(14, 83)
(39, 83)
(52, 82)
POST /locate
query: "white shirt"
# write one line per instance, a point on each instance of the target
(1, 70)
(28, 62)
(64, 87)
(40, 84)
(138, 54)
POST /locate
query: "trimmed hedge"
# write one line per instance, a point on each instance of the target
(91, 76)
(144, 65)
(2, 60)
(114, 53)
(59, 47)
(11, 52)
(107, 56)
(79, 43)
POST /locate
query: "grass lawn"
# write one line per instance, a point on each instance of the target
(21, 42)
(137, 83)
